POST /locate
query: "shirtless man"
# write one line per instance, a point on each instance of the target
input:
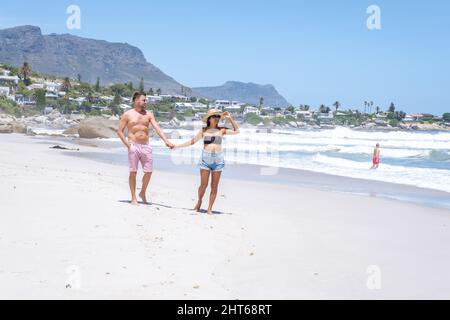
(376, 157)
(137, 121)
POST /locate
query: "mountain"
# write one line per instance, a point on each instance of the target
(67, 55)
(244, 92)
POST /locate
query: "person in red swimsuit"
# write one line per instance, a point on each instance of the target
(376, 157)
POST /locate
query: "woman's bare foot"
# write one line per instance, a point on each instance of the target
(210, 212)
(198, 206)
(134, 202)
(143, 197)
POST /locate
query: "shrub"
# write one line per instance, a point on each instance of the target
(279, 120)
(10, 107)
(290, 119)
(95, 112)
(253, 119)
(446, 117)
(393, 123)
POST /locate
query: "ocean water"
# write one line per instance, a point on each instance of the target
(420, 159)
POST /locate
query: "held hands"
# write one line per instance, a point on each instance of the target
(170, 145)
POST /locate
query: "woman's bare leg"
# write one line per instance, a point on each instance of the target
(204, 179)
(214, 189)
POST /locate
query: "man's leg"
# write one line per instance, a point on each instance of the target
(133, 166)
(147, 166)
(145, 182)
(132, 182)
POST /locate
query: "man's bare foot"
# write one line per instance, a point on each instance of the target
(210, 213)
(143, 197)
(198, 206)
(134, 202)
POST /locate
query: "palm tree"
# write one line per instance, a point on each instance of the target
(141, 85)
(90, 96)
(337, 105)
(365, 106)
(66, 86)
(392, 108)
(25, 73)
(261, 102)
(97, 85)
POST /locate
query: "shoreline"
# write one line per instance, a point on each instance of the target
(284, 176)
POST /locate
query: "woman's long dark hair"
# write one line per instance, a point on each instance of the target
(208, 124)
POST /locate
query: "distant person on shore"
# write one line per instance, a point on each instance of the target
(137, 121)
(212, 159)
(376, 157)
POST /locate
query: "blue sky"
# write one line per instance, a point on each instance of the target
(314, 52)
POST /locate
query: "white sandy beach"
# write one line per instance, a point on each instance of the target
(67, 231)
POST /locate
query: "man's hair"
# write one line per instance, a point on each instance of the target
(137, 95)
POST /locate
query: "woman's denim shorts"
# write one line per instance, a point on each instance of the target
(212, 161)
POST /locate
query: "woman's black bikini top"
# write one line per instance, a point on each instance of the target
(212, 140)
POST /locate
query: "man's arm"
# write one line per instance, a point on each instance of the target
(122, 125)
(159, 131)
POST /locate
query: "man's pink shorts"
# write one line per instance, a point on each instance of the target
(140, 153)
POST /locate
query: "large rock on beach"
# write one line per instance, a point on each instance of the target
(6, 128)
(19, 127)
(98, 127)
(71, 131)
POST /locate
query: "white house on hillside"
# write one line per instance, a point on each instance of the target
(49, 95)
(179, 106)
(4, 91)
(224, 104)
(248, 110)
(325, 117)
(24, 100)
(408, 118)
(305, 113)
(416, 116)
(125, 107)
(154, 99)
(34, 86)
(174, 96)
(9, 80)
(232, 109)
(52, 86)
(4, 72)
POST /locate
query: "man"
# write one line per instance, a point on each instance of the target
(137, 121)
(376, 157)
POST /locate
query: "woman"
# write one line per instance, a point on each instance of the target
(212, 160)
